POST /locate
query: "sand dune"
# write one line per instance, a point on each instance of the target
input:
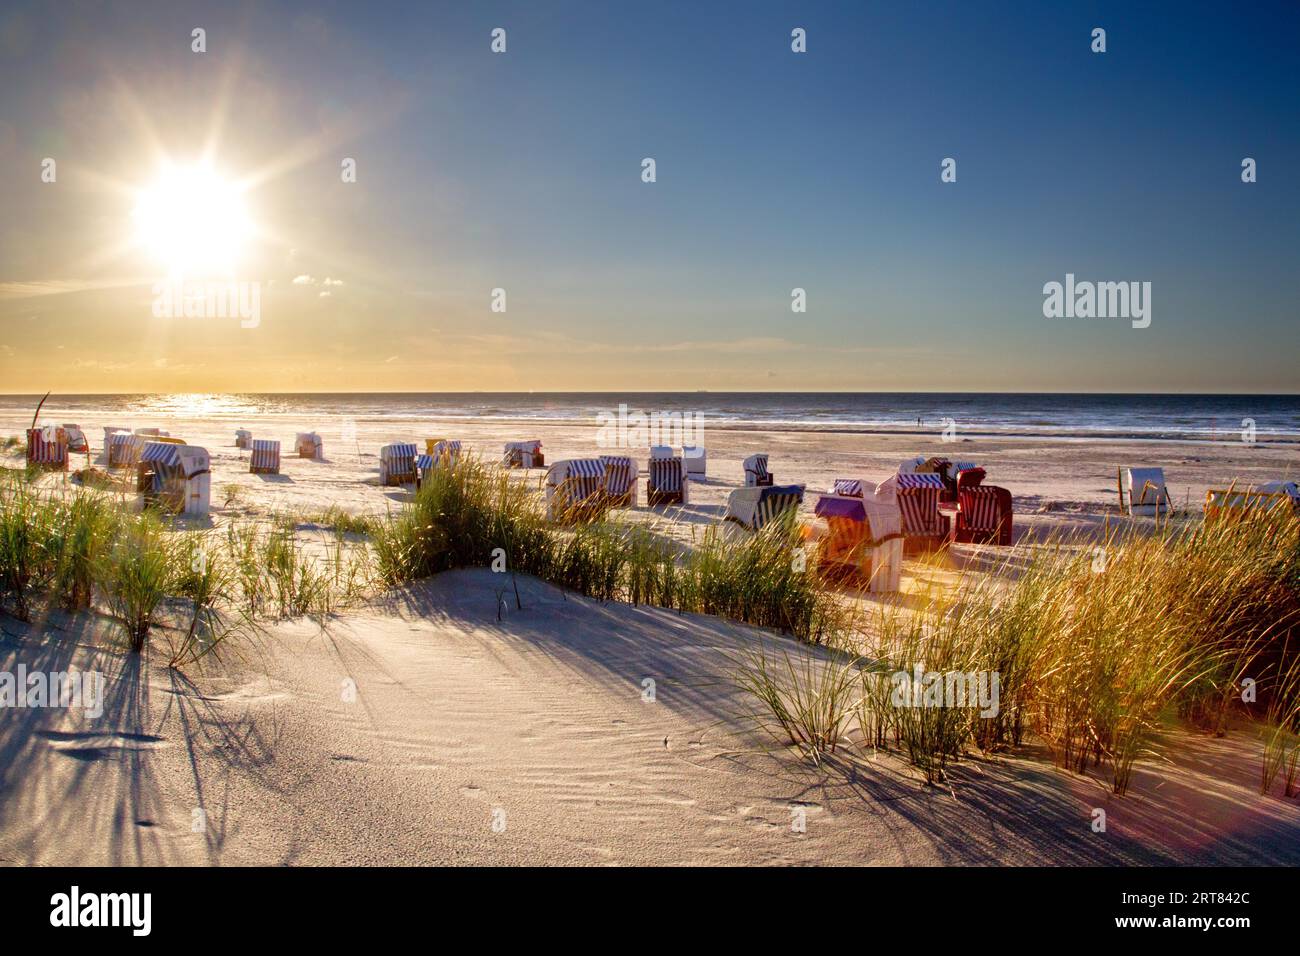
(537, 723)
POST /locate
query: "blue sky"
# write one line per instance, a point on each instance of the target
(775, 170)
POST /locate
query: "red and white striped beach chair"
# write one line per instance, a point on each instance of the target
(984, 515)
(47, 448)
(265, 458)
(666, 482)
(620, 480)
(952, 478)
(756, 473)
(925, 528)
(397, 464)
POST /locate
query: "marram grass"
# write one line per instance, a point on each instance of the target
(1098, 650)
(472, 515)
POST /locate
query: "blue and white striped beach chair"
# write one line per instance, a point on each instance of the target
(755, 508)
(756, 473)
(446, 453)
(124, 450)
(666, 483)
(397, 464)
(620, 480)
(575, 489)
(423, 468)
(265, 459)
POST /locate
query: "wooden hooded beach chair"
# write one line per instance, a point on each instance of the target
(575, 489)
(47, 448)
(124, 449)
(397, 464)
(666, 482)
(864, 538)
(620, 480)
(77, 441)
(523, 454)
(695, 461)
(983, 515)
(175, 477)
(1233, 503)
(423, 469)
(925, 528)
(756, 473)
(309, 445)
(756, 508)
(445, 453)
(1142, 492)
(265, 457)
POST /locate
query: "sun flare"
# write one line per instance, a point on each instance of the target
(193, 222)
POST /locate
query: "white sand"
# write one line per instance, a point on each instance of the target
(541, 716)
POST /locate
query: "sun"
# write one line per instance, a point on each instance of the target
(192, 221)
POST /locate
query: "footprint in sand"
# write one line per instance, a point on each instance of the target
(99, 745)
(254, 692)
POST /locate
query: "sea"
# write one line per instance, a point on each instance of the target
(1181, 417)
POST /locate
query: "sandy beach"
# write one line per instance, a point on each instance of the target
(537, 726)
(419, 728)
(1057, 485)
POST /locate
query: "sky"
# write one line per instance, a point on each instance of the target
(774, 170)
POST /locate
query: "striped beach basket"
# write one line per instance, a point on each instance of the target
(620, 480)
(124, 450)
(575, 489)
(774, 502)
(924, 526)
(47, 448)
(756, 473)
(984, 515)
(309, 445)
(397, 464)
(423, 468)
(666, 482)
(265, 459)
(849, 487)
(175, 477)
(446, 453)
